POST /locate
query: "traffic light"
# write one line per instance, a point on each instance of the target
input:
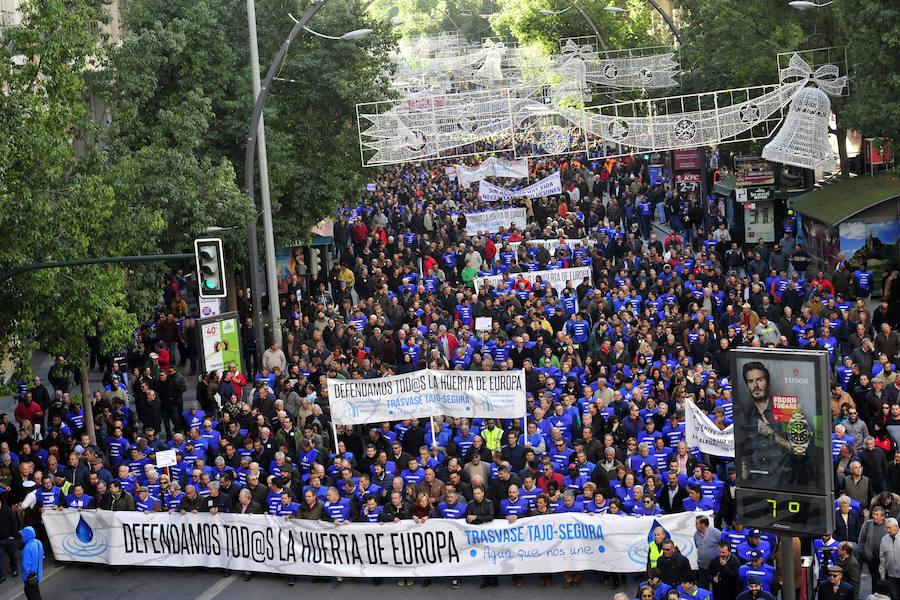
(210, 267)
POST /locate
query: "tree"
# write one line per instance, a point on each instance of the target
(55, 202)
(872, 31)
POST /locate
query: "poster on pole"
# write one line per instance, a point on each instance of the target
(220, 342)
(556, 278)
(473, 394)
(701, 433)
(545, 187)
(490, 221)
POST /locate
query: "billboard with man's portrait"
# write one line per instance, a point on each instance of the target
(782, 420)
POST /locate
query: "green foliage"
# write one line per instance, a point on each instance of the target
(734, 43)
(311, 133)
(872, 30)
(55, 201)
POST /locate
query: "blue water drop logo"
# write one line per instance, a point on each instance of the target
(83, 531)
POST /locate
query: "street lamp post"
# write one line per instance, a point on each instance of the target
(268, 230)
(261, 92)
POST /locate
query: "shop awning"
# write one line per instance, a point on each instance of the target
(838, 202)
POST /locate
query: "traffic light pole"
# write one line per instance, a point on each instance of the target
(93, 261)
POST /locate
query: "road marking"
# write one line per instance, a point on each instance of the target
(216, 589)
(47, 575)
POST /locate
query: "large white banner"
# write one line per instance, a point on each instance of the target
(700, 432)
(498, 394)
(545, 187)
(492, 167)
(436, 548)
(490, 221)
(556, 278)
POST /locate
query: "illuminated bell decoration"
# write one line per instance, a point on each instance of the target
(802, 140)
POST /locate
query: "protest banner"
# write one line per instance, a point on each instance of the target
(436, 548)
(700, 432)
(492, 167)
(490, 221)
(555, 278)
(499, 394)
(545, 187)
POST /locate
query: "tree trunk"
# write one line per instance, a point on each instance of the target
(842, 152)
(86, 404)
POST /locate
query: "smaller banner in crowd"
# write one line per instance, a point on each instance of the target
(555, 278)
(498, 394)
(490, 221)
(545, 187)
(436, 548)
(492, 167)
(554, 243)
(699, 431)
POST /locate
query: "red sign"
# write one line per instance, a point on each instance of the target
(687, 160)
(783, 407)
(873, 156)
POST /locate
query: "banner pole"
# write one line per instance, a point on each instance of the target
(334, 432)
(433, 435)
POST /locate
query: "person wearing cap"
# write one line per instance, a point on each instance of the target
(754, 543)
(145, 502)
(757, 567)
(835, 588)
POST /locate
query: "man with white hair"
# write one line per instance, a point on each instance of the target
(889, 552)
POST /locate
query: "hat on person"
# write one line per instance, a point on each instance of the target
(154, 355)
(754, 554)
(746, 305)
(754, 580)
(143, 488)
(835, 569)
(754, 533)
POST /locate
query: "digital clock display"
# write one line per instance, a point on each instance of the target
(785, 512)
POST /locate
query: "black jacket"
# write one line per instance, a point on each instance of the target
(672, 568)
(729, 584)
(391, 512)
(677, 504)
(483, 511)
(9, 524)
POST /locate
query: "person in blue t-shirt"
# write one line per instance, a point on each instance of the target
(756, 567)
(754, 543)
(696, 501)
(688, 589)
(287, 508)
(337, 508)
(452, 508)
(78, 499)
(371, 509)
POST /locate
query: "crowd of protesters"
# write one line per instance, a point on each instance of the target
(609, 363)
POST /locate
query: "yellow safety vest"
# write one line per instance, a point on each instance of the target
(492, 438)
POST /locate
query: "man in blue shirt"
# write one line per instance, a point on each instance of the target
(756, 567)
(754, 543)
(688, 589)
(696, 501)
(452, 508)
(338, 509)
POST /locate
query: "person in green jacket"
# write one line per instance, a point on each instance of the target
(469, 274)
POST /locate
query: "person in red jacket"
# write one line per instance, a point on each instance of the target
(30, 411)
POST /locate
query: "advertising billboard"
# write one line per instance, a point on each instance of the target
(782, 419)
(782, 427)
(220, 342)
